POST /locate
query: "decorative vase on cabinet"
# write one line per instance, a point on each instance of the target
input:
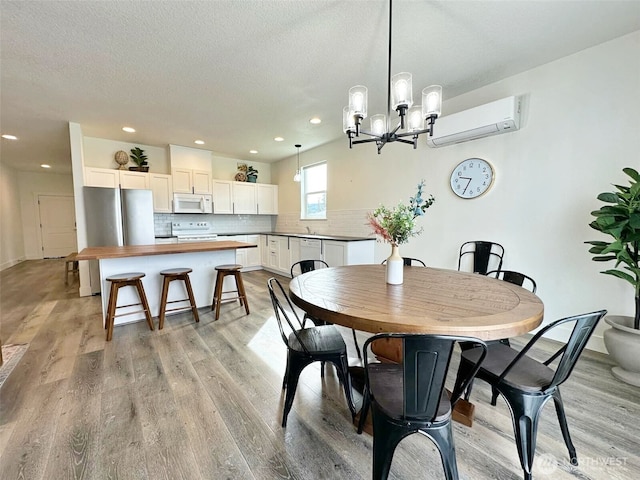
(395, 267)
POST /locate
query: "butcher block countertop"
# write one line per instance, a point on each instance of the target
(96, 253)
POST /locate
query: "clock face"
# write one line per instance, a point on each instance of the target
(471, 178)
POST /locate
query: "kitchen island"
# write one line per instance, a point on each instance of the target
(202, 257)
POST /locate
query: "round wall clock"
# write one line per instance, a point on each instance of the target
(471, 178)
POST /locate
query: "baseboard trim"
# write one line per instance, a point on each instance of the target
(11, 263)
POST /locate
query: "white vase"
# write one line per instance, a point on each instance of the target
(395, 266)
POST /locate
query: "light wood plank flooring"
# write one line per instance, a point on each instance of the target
(204, 401)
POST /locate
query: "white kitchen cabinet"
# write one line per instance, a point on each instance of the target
(166, 241)
(244, 198)
(267, 198)
(186, 180)
(278, 258)
(136, 180)
(294, 251)
(249, 258)
(264, 250)
(222, 196)
(161, 187)
(112, 178)
(254, 255)
(101, 177)
(337, 253)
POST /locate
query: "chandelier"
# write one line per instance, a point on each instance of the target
(414, 120)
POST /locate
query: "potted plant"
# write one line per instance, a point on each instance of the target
(140, 159)
(395, 226)
(620, 219)
(252, 174)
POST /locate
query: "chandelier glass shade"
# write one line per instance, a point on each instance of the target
(413, 121)
(296, 177)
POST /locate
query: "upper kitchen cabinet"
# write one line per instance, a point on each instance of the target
(186, 180)
(130, 179)
(222, 196)
(244, 198)
(267, 196)
(190, 169)
(111, 178)
(101, 177)
(161, 187)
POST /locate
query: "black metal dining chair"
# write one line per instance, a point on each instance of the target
(527, 384)
(410, 396)
(408, 262)
(305, 345)
(516, 278)
(304, 266)
(481, 254)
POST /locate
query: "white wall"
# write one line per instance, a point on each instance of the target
(100, 152)
(11, 237)
(579, 130)
(30, 185)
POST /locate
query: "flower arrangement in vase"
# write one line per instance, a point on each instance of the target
(396, 225)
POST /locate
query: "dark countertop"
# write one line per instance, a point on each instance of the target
(339, 238)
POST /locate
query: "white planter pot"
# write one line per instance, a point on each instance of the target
(623, 342)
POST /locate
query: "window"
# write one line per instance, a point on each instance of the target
(314, 191)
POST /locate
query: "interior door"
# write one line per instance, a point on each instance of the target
(57, 225)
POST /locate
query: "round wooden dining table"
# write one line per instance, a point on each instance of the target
(430, 300)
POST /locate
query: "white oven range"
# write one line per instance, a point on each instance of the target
(187, 232)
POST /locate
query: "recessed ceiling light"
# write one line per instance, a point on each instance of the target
(315, 121)
(279, 139)
(129, 129)
(199, 142)
(44, 165)
(9, 137)
(253, 151)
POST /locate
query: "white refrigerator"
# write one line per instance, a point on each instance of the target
(117, 217)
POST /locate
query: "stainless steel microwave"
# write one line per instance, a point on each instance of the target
(192, 203)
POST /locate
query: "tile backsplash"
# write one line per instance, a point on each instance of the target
(348, 223)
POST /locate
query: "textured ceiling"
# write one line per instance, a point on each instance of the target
(238, 73)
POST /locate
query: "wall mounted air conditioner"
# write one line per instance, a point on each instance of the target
(497, 117)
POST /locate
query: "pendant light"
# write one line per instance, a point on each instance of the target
(296, 177)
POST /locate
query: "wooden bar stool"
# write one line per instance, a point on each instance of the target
(117, 282)
(70, 266)
(223, 271)
(169, 276)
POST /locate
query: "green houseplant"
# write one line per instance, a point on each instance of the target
(620, 219)
(252, 174)
(396, 225)
(140, 159)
